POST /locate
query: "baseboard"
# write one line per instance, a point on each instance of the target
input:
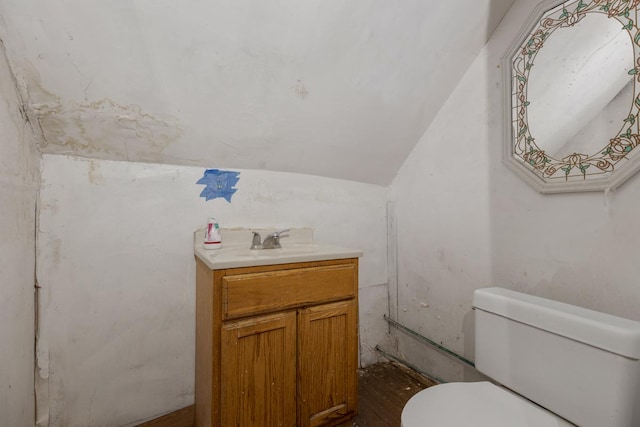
(184, 417)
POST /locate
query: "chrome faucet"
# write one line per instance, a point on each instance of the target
(255, 243)
(272, 241)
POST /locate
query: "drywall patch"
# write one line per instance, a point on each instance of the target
(219, 183)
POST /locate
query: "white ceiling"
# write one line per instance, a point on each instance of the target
(335, 88)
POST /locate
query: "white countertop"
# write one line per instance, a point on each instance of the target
(297, 246)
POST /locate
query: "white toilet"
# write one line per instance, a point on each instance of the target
(567, 365)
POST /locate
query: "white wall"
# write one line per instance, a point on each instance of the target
(115, 261)
(288, 85)
(18, 189)
(464, 221)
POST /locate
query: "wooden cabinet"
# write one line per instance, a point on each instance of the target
(326, 344)
(259, 370)
(277, 345)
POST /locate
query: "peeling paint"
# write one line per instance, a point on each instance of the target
(104, 129)
(100, 129)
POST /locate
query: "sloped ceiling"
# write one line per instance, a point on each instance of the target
(335, 88)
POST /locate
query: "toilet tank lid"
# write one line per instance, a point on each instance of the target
(607, 332)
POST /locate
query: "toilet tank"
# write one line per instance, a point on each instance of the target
(580, 364)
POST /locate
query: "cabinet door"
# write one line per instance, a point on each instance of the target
(259, 371)
(328, 359)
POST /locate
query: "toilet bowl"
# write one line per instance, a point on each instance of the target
(480, 404)
(556, 365)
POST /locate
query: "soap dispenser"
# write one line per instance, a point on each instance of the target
(212, 238)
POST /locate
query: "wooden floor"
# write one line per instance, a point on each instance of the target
(384, 388)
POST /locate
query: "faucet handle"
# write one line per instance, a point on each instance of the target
(256, 242)
(272, 241)
(279, 232)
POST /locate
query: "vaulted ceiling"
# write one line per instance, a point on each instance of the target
(336, 88)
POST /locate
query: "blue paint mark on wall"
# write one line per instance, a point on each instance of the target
(219, 183)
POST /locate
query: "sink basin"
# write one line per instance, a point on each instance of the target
(289, 250)
(232, 256)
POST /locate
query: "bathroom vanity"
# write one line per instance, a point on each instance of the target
(276, 335)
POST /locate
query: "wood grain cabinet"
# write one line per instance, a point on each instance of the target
(277, 345)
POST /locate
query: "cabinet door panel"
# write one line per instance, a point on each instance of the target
(328, 359)
(259, 371)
